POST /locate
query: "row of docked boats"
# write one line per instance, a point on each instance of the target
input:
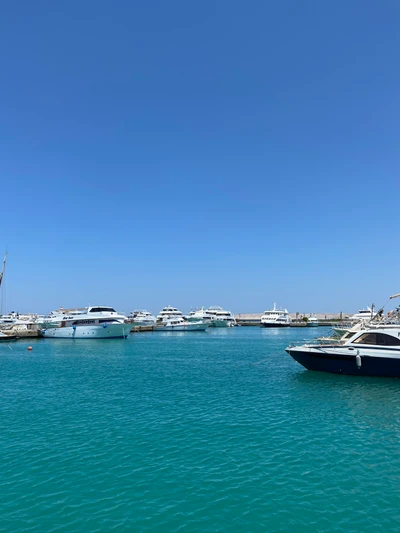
(101, 322)
(280, 318)
(171, 318)
(369, 346)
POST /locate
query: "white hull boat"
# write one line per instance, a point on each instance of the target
(275, 318)
(220, 318)
(101, 331)
(178, 324)
(95, 323)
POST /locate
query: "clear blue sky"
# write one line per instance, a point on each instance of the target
(200, 153)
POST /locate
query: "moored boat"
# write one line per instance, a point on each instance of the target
(180, 324)
(312, 321)
(199, 314)
(275, 318)
(7, 338)
(368, 350)
(142, 318)
(95, 323)
(363, 314)
(168, 312)
(220, 318)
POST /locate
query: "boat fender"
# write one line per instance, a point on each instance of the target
(358, 361)
(104, 325)
(73, 327)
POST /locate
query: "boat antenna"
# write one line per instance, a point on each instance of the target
(1, 279)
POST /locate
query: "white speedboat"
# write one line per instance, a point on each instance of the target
(168, 312)
(312, 321)
(371, 352)
(371, 349)
(142, 318)
(180, 324)
(95, 323)
(220, 318)
(275, 318)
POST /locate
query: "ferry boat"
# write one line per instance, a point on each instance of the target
(180, 324)
(167, 313)
(373, 350)
(275, 318)
(220, 318)
(94, 323)
(312, 321)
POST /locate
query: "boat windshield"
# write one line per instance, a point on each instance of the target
(377, 339)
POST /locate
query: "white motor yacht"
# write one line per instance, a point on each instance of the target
(98, 322)
(180, 324)
(362, 318)
(275, 318)
(199, 314)
(142, 318)
(220, 318)
(168, 312)
(363, 314)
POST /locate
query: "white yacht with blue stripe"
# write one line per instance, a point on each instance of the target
(97, 322)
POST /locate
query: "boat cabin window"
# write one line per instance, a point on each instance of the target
(380, 339)
(100, 309)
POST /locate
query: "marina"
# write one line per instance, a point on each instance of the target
(197, 219)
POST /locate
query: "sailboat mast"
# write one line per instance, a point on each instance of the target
(2, 270)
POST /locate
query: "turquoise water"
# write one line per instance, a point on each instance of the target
(203, 432)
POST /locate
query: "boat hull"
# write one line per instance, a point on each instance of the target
(183, 327)
(264, 325)
(8, 338)
(221, 323)
(321, 360)
(111, 331)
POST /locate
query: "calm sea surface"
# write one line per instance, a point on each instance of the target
(197, 432)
